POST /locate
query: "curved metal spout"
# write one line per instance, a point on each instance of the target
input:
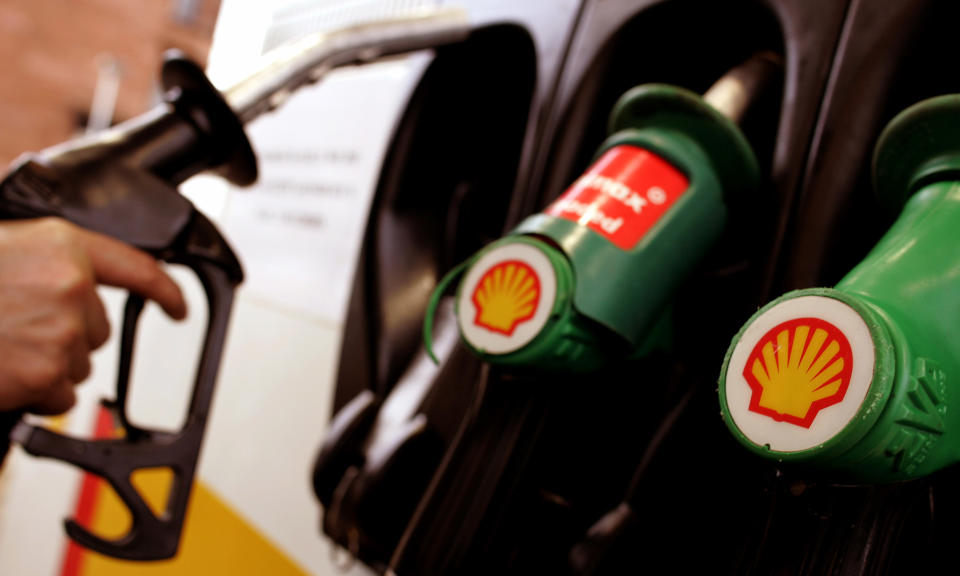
(307, 60)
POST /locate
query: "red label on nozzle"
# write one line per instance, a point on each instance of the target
(622, 195)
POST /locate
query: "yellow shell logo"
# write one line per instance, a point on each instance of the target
(506, 295)
(797, 369)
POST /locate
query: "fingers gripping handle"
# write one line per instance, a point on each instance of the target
(152, 537)
(123, 184)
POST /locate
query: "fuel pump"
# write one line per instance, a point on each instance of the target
(855, 380)
(587, 280)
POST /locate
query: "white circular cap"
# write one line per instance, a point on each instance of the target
(505, 298)
(799, 373)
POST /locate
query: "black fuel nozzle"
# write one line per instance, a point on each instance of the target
(105, 181)
(122, 183)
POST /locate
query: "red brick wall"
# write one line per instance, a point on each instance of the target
(49, 51)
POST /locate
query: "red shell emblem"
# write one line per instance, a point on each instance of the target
(506, 296)
(797, 369)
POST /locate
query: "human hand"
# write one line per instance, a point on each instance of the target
(50, 315)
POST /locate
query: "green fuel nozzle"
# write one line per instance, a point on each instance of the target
(586, 280)
(857, 379)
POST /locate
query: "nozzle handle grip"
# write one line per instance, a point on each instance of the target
(123, 184)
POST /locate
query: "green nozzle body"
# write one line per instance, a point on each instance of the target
(587, 280)
(858, 379)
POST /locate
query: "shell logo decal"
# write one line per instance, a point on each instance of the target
(506, 298)
(507, 295)
(798, 368)
(798, 373)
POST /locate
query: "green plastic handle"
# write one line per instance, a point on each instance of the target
(581, 297)
(895, 412)
(434, 303)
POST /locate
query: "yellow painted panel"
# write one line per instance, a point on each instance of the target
(154, 486)
(216, 540)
